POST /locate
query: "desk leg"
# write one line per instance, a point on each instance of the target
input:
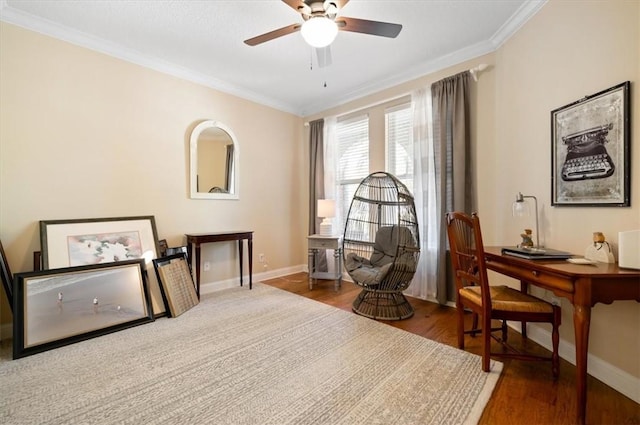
(241, 259)
(581, 323)
(197, 265)
(250, 247)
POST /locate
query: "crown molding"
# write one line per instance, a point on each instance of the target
(519, 18)
(52, 29)
(78, 38)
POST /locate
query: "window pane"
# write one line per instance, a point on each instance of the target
(399, 140)
(353, 161)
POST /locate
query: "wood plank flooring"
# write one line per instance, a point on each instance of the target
(525, 394)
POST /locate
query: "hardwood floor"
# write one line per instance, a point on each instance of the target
(525, 393)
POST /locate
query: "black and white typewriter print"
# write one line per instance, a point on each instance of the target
(590, 150)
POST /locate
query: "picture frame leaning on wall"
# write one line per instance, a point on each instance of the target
(57, 307)
(176, 283)
(77, 242)
(590, 140)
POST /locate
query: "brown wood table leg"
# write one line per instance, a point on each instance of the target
(197, 265)
(250, 246)
(240, 253)
(581, 323)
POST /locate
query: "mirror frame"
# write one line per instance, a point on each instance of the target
(193, 162)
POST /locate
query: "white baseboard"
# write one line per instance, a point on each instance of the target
(208, 287)
(614, 377)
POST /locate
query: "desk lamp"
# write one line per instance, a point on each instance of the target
(326, 210)
(521, 208)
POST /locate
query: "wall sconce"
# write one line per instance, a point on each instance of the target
(326, 210)
(521, 208)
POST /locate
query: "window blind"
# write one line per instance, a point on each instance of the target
(353, 160)
(399, 143)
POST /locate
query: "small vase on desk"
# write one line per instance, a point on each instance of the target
(599, 250)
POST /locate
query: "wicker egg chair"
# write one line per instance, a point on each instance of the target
(381, 246)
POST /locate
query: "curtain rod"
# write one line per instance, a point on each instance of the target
(473, 71)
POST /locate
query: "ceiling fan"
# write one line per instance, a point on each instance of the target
(321, 24)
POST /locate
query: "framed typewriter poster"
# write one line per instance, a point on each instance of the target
(590, 150)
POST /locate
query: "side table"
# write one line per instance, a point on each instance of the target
(196, 239)
(317, 243)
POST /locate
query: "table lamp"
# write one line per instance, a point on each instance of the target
(326, 211)
(521, 208)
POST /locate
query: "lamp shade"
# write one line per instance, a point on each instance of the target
(326, 208)
(521, 208)
(319, 31)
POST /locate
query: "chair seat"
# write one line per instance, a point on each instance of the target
(504, 298)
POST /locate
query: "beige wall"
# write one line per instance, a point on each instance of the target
(85, 135)
(566, 51)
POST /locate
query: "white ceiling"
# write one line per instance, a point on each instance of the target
(202, 41)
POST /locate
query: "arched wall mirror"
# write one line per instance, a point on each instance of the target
(214, 161)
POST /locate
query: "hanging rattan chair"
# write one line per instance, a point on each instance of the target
(381, 246)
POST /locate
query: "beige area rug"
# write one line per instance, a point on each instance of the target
(264, 356)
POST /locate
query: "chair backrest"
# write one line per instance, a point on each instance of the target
(388, 240)
(467, 253)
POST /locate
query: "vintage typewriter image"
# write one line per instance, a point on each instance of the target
(587, 157)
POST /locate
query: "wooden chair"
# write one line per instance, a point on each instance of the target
(492, 302)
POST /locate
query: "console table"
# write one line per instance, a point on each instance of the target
(196, 239)
(583, 286)
(316, 243)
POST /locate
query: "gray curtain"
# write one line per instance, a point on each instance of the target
(316, 183)
(452, 152)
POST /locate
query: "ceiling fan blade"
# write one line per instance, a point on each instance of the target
(273, 34)
(384, 29)
(298, 6)
(324, 56)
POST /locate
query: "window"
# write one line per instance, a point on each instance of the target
(353, 161)
(399, 142)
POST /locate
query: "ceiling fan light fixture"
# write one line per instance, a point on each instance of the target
(319, 31)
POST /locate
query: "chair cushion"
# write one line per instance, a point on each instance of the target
(386, 244)
(505, 298)
(370, 276)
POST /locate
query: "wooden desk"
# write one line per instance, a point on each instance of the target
(583, 285)
(199, 238)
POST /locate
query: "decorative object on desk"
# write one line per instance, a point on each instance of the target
(326, 210)
(590, 150)
(176, 283)
(599, 250)
(527, 242)
(78, 242)
(381, 246)
(62, 306)
(629, 249)
(521, 208)
(7, 277)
